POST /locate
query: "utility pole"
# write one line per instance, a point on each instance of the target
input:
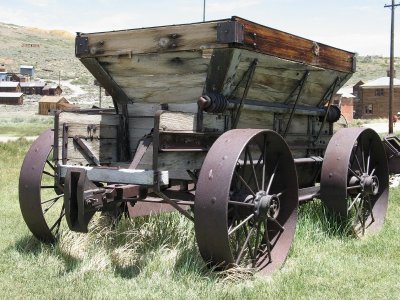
(391, 90)
(204, 10)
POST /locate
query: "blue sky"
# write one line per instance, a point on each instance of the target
(361, 26)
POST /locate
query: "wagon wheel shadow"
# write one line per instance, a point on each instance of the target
(29, 245)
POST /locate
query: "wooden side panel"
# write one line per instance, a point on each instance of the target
(275, 79)
(160, 77)
(97, 132)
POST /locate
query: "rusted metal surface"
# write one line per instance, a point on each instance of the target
(246, 201)
(355, 180)
(230, 32)
(39, 192)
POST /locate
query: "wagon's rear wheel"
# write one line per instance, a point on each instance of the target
(40, 194)
(355, 180)
(246, 201)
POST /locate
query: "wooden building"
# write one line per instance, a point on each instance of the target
(10, 87)
(344, 99)
(11, 98)
(27, 70)
(49, 104)
(32, 87)
(374, 99)
(52, 90)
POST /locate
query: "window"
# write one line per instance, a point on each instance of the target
(379, 92)
(369, 109)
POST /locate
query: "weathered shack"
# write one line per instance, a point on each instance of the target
(49, 104)
(11, 98)
(51, 90)
(10, 86)
(32, 87)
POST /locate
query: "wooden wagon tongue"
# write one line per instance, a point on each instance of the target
(229, 118)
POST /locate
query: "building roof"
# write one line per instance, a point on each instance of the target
(52, 99)
(33, 84)
(10, 95)
(9, 84)
(380, 82)
(49, 87)
(25, 67)
(346, 92)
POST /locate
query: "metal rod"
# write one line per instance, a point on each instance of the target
(204, 10)
(174, 205)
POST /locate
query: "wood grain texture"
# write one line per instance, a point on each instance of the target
(284, 45)
(152, 40)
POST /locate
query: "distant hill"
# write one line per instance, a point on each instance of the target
(56, 54)
(52, 52)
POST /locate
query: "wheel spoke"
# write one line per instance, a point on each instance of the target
(264, 163)
(368, 161)
(245, 183)
(256, 245)
(272, 178)
(48, 186)
(281, 228)
(246, 242)
(354, 201)
(48, 174)
(58, 221)
(50, 164)
(246, 204)
(253, 169)
(52, 199)
(241, 224)
(354, 173)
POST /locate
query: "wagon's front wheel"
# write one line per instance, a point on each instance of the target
(246, 201)
(355, 180)
(40, 193)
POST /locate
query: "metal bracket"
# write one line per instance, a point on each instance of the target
(78, 191)
(81, 46)
(230, 32)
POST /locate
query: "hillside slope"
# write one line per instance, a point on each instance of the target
(55, 52)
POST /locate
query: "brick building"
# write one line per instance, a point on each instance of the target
(344, 99)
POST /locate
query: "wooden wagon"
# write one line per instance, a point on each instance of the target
(229, 118)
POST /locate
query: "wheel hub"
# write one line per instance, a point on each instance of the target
(370, 184)
(266, 206)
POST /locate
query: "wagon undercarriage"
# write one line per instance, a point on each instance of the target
(228, 122)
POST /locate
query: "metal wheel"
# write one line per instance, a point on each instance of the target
(246, 201)
(40, 196)
(355, 180)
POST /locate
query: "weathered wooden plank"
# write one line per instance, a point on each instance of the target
(176, 163)
(79, 118)
(163, 88)
(187, 122)
(256, 119)
(99, 132)
(183, 62)
(150, 109)
(156, 39)
(278, 43)
(111, 175)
